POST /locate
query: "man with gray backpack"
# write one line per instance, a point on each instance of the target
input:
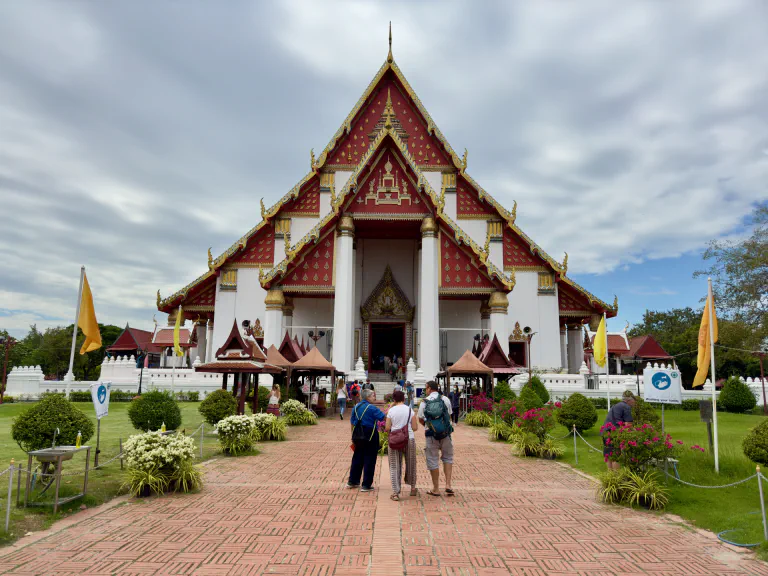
(435, 415)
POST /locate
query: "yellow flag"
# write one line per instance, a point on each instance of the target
(598, 348)
(703, 359)
(176, 345)
(87, 320)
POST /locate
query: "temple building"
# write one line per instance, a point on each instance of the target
(388, 247)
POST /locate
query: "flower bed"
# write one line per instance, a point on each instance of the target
(296, 414)
(270, 427)
(237, 434)
(635, 447)
(159, 463)
(530, 435)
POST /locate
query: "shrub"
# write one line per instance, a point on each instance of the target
(502, 391)
(237, 434)
(755, 444)
(153, 409)
(499, 431)
(481, 403)
(263, 398)
(529, 399)
(507, 411)
(635, 446)
(551, 449)
(292, 407)
(539, 388)
(736, 396)
(85, 396)
(270, 427)
(537, 421)
(160, 462)
(525, 444)
(690, 405)
(217, 406)
(611, 489)
(644, 489)
(193, 396)
(35, 428)
(296, 414)
(477, 418)
(579, 411)
(643, 413)
(8, 399)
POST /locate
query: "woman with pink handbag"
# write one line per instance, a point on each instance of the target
(401, 425)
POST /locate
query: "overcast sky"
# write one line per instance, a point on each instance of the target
(134, 135)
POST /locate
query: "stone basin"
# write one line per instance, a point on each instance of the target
(53, 454)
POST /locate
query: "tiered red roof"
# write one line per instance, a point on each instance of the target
(425, 148)
(204, 299)
(617, 344)
(290, 349)
(518, 255)
(164, 337)
(314, 270)
(459, 269)
(646, 347)
(306, 204)
(259, 250)
(132, 339)
(468, 203)
(494, 357)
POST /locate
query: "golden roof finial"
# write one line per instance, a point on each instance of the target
(389, 56)
(615, 303)
(263, 209)
(564, 265)
(513, 215)
(210, 260)
(389, 111)
(464, 161)
(312, 163)
(158, 299)
(487, 245)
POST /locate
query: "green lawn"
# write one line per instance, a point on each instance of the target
(103, 484)
(714, 509)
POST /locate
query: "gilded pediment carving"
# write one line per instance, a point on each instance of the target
(387, 300)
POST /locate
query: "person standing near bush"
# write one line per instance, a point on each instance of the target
(435, 414)
(409, 393)
(365, 438)
(341, 398)
(454, 398)
(400, 417)
(618, 413)
(274, 401)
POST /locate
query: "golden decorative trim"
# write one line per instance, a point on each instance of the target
(283, 226)
(473, 216)
(275, 300)
(564, 265)
(517, 334)
(465, 291)
(198, 308)
(308, 289)
(428, 227)
(387, 300)
(300, 214)
(495, 229)
(346, 226)
(228, 280)
(449, 181)
(575, 313)
(498, 302)
(257, 265)
(526, 268)
(379, 216)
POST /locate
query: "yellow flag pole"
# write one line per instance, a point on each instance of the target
(607, 365)
(70, 376)
(711, 304)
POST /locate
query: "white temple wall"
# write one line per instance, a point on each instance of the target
(374, 255)
(359, 296)
(339, 181)
(250, 297)
(311, 313)
(300, 226)
(541, 314)
(477, 231)
(225, 314)
(464, 315)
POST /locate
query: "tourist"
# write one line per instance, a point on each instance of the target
(367, 448)
(393, 369)
(354, 392)
(273, 407)
(368, 385)
(398, 387)
(435, 415)
(341, 398)
(400, 416)
(454, 397)
(399, 374)
(409, 393)
(386, 362)
(618, 413)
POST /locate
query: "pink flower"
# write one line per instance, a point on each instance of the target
(655, 438)
(541, 419)
(679, 441)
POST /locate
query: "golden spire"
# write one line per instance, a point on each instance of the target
(464, 161)
(158, 299)
(210, 260)
(312, 163)
(512, 215)
(389, 56)
(615, 303)
(263, 209)
(564, 265)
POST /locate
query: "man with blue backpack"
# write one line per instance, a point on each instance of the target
(435, 414)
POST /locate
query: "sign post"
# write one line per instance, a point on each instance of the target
(662, 385)
(100, 396)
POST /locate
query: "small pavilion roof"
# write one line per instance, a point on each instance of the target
(646, 347)
(313, 360)
(164, 337)
(237, 365)
(132, 339)
(276, 359)
(467, 365)
(290, 348)
(493, 356)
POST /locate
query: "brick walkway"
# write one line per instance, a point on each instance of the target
(286, 512)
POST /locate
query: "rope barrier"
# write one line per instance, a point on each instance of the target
(5, 471)
(718, 486)
(588, 444)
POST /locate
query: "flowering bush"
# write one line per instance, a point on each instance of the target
(507, 411)
(478, 418)
(481, 403)
(269, 426)
(635, 446)
(292, 407)
(237, 434)
(296, 414)
(160, 462)
(537, 421)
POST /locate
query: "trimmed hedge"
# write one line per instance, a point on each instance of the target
(218, 405)
(149, 411)
(643, 413)
(577, 410)
(114, 396)
(502, 391)
(539, 388)
(529, 399)
(736, 396)
(35, 428)
(755, 444)
(690, 405)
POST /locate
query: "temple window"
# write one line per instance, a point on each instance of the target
(546, 283)
(283, 226)
(228, 280)
(495, 229)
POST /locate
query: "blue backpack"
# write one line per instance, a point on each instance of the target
(436, 418)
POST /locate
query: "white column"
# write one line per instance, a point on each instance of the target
(429, 311)
(344, 298)
(575, 349)
(498, 304)
(618, 365)
(273, 321)
(563, 349)
(209, 342)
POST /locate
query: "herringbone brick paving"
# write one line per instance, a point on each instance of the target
(286, 511)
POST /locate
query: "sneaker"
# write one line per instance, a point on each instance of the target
(366, 489)
(341, 416)
(350, 486)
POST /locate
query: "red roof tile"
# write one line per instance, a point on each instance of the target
(164, 337)
(616, 344)
(646, 347)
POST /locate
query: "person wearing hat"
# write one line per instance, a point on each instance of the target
(618, 413)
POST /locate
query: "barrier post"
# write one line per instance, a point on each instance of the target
(762, 502)
(121, 453)
(18, 487)
(202, 431)
(10, 490)
(575, 453)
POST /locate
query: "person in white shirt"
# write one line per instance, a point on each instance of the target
(341, 398)
(437, 450)
(399, 416)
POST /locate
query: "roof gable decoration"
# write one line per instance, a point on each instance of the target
(234, 346)
(387, 300)
(289, 348)
(494, 356)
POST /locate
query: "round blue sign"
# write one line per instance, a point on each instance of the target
(101, 394)
(661, 381)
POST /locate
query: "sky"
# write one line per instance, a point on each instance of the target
(134, 135)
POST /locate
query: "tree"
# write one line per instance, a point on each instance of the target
(740, 273)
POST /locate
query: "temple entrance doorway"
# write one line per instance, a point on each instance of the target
(387, 339)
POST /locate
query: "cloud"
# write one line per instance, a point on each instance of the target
(135, 136)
